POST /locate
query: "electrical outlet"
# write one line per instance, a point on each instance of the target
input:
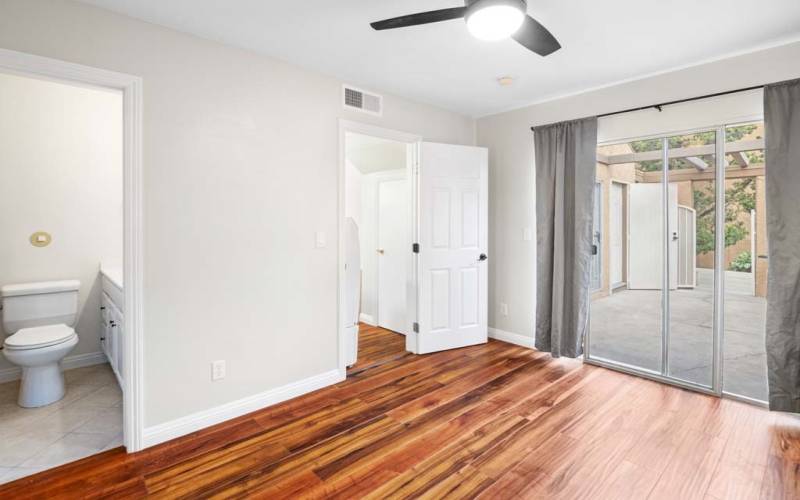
(218, 370)
(504, 309)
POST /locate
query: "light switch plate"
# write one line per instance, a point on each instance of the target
(527, 234)
(218, 370)
(320, 240)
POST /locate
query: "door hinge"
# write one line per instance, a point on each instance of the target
(415, 247)
(415, 327)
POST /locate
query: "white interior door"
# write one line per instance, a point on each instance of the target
(616, 233)
(452, 261)
(393, 247)
(646, 236)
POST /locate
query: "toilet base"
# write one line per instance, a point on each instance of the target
(41, 385)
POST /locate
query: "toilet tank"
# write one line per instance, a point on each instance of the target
(36, 304)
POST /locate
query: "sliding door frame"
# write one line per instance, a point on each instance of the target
(718, 315)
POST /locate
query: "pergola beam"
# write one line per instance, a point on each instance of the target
(731, 147)
(698, 163)
(689, 174)
(740, 158)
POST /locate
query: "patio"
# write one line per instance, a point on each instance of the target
(626, 327)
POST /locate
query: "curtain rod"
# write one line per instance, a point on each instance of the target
(689, 99)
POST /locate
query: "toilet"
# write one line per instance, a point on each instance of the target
(38, 320)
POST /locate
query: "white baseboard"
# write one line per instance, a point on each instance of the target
(200, 420)
(68, 363)
(366, 318)
(511, 338)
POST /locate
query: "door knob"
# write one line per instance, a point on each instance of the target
(483, 257)
(380, 251)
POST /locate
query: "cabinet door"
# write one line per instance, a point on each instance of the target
(105, 318)
(119, 335)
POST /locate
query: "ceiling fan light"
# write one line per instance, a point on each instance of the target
(495, 22)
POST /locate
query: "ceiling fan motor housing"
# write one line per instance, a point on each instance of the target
(476, 5)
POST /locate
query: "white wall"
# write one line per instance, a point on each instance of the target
(60, 172)
(241, 164)
(510, 142)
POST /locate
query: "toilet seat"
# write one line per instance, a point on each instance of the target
(38, 337)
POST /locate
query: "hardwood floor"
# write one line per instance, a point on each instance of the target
(490, 421)
(376, 346)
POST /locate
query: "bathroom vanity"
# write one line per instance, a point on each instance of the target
(112, 316)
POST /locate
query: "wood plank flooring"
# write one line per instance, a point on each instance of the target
(376, 346)
(490, 421)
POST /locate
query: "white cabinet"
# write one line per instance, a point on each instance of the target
(113, 329)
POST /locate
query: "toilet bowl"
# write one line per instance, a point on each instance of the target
(38, 319)
(39, 351)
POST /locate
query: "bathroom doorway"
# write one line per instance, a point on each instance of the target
(70, 372)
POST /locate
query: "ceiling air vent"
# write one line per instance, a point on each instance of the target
(362, 101)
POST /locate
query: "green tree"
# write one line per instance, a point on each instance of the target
(739, 198)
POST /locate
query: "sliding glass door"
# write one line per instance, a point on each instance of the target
(745, 263)
(674, 260)
(691, 236)
(626, 317)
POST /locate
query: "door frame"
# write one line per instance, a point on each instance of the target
(624, 231)
(598, 207)
(412, 142)
(133, 219)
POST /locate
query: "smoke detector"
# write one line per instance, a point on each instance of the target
(505, 81)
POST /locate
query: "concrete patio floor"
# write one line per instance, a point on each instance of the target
(626, 327)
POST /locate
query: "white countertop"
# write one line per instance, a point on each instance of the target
(114, 274)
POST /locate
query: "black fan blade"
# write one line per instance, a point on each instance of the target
(533, 36)
(433, 16)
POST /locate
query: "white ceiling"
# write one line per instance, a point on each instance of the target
(603, 42)
(373, 154)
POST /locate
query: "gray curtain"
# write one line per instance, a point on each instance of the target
(565, 174)
(782, 122)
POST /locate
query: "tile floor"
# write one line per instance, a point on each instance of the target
(86, 421)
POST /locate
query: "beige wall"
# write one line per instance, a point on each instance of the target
(240, 159)
(510, 142)
(60, 172)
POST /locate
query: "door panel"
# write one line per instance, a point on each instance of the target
(666, 324)
(453, 224)
(646, 264)
(392, 251)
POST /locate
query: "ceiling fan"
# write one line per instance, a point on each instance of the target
(487, 20)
